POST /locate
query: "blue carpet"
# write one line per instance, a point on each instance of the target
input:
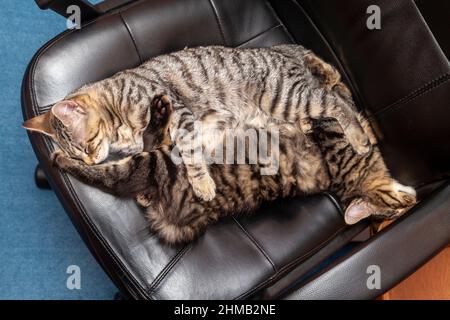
(37, 239)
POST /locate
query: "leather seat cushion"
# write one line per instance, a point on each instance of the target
(236, 257)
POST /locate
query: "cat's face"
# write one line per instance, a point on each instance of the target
(389, 202)
(78, 129)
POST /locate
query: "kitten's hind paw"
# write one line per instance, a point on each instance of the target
(204, 187)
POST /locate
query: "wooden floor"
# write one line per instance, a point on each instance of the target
(430, 282)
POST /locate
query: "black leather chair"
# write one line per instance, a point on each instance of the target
(399, 75)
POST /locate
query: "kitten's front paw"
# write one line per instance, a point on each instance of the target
(56, 157)
(405, 195)
(204, 187)
(61, 160)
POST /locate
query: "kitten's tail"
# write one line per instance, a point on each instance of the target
(176, 233)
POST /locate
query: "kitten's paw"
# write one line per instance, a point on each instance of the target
(326, 73)
(405, 198)
(56, 157)
(360, 142)
(306, 125)
(204, 187)
(342, 90)
(61, 160)
(161, 108)
(406, 195)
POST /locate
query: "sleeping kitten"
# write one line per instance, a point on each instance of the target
(327, 162)
(216, 86)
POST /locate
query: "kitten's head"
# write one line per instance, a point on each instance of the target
(390, 201)
(77, 127)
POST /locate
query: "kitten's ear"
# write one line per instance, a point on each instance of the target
(357, 210)
(40, 124)
(69, 113)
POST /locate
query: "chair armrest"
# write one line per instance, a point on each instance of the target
(398, 251)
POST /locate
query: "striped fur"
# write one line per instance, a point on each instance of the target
(221, 87)
(322, 161)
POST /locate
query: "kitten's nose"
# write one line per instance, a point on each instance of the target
(88, 161)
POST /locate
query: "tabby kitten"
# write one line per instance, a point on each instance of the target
(362, 182)
(219, 87)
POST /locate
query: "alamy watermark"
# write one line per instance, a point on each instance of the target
(73, 281)
(229, 146)
(374, 280)
(373, 22)
(74, 20)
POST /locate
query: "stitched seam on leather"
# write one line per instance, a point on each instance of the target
(104, 243)
(275, 15)
(51, 43)
(413, 95)
(216, 14)
(259, 35)
(257, 244)
(288, 266)
(59, 38)
(131, 36)
(163, 274)
(77, 201)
